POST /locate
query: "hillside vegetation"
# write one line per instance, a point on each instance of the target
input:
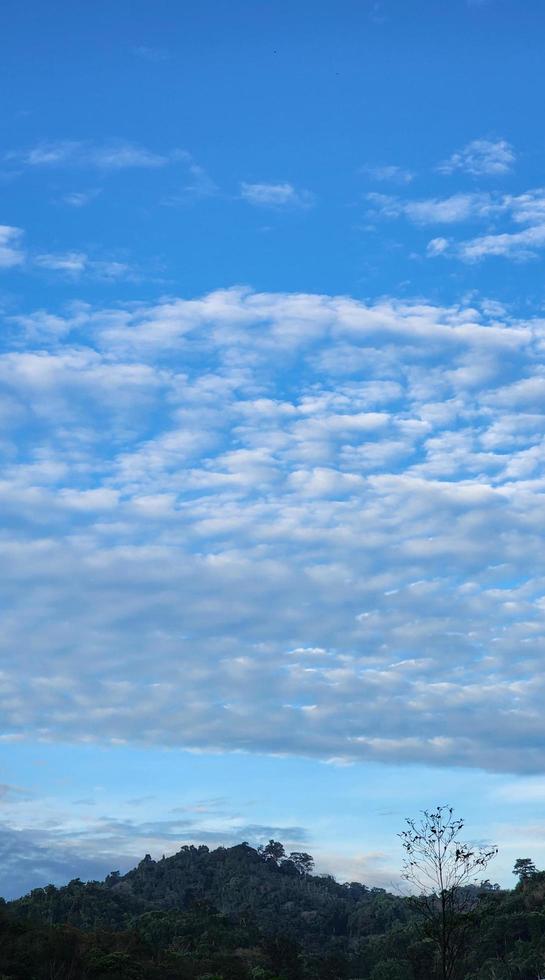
(244, 914)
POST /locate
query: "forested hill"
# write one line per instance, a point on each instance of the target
(244, 914)
(277, 893)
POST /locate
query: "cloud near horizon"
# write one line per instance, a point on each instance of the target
(281, 523)
(87, 847)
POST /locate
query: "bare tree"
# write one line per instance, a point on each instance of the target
(443, 868)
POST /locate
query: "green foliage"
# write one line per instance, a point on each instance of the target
(237, 914)
(392, 970)
(273, 851)
(524, 868)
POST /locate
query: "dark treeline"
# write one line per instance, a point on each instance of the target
(241, 913)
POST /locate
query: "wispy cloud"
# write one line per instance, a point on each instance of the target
(514, 242)
(391, 174)
(273, 195)
(76, 264)
(454, 209)
(115, 156)
(149, 53)
(481, 158)
(71, 262)
(518, 245)
(11, 252)
(195, 185)
(79, 199)
(437, 246)
(112, 155)
(526, 208)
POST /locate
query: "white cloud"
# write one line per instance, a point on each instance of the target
(78, 199)
(75, 264)
(459, 207)
(229, 549)
(438, 246)
(121, 155)
(54, 153)
(275, 195)
(390, 173)
(113, 155)
(426, 211)
(527, 208)
(481, 157)
(524, 209)
(519, 245)
(11, 253)
(71, 262)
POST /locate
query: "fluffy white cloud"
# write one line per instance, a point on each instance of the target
(289, 523)
(481, 157)
(526, 209)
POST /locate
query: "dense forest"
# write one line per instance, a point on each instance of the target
(241, 913)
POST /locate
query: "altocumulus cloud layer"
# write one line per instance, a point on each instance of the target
(281, 523)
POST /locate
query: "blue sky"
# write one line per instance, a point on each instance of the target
(273, 439)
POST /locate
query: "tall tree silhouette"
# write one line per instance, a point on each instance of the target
(441, 867)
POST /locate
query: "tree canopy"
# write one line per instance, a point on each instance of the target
(240, 913)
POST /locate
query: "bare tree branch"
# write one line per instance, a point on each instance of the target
(442, 868)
